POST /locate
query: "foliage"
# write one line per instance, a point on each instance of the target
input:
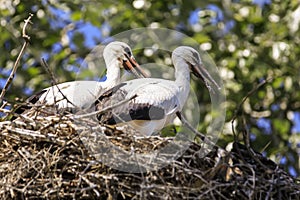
(249, 41)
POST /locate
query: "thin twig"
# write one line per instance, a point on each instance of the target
(54, 83)
(36, 135)
(27, 21)
(201, 135)
(15, 67)
(105, 109)
(246, 137)
(5, 103)
(254, 89)
(6, 111)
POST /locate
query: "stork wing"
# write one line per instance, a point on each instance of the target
(31, 100)
(69, 96)
(148, 105)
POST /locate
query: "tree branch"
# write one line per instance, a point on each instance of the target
(54, 83)
(254, 89)
(15, 67)
(104, 109)
(205, 139)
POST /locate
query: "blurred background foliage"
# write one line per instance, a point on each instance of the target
(249, 40)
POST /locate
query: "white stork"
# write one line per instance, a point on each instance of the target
(157, 100)
(77, 95)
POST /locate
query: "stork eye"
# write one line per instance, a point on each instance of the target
(196, 56)
(127, 51)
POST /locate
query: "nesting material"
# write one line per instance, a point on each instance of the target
(51, 158)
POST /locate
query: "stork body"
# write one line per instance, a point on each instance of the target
(78, 95)
(157, 100)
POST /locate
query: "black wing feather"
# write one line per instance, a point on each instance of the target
(31, 100)
(126, 112)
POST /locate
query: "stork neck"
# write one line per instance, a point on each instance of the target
(113, 72)
(182, 73)
(182, 79)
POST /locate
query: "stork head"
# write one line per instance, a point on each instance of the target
(192, 58)
(121, 52)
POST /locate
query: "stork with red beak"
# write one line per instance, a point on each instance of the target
(78, 95)
(157, 101)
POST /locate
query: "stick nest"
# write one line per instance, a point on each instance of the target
(46, 158)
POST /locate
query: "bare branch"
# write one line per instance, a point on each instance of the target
(105, 109)
(54, 82)
(27, 21)
(201, 135)
(36, 135)
(255, 88)
(15, 67)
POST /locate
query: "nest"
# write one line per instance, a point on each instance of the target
(50, 158)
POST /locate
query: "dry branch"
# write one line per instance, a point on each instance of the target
(239, 107)
(15, 67)
(54, 83)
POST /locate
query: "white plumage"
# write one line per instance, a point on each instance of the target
(78, 95)
(157, 100)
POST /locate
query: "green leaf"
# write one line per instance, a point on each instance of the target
(282, 126)
(76, 16)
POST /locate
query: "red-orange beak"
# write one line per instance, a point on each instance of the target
(132, 66)
(202, 73)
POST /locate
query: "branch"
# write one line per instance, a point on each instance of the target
(105, 109)
(255, 88)
(54, 83)
(15, 67)
(201, 135)
(27, 21)
(36, 135)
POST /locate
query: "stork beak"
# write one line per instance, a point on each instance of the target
(131, 65)
(200, 72)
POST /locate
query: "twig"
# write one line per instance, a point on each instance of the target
(54, 83)
(246, 137)
(84, 172)
(201, 135)
(15, 67)
(28, 133)
(105, 109)
(255, 88)
(27, 21)
(3, 105)
(36, 135)
(2, 109)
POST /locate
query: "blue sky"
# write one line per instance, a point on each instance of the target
(91, 33)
